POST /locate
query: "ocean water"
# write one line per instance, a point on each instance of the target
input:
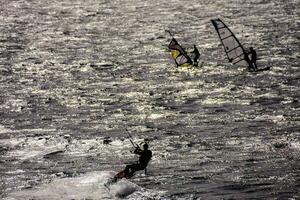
(75, 72)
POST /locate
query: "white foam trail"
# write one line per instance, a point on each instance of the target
(88, 186)
(123, 188)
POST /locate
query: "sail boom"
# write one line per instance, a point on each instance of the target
(233, 49)
(238, 57)
(238, 61)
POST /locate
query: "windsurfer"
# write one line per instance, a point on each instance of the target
(233, 48)
(252, 62)
(250, 65)
(197, 55)
(253, 58)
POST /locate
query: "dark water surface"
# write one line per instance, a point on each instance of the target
(73, 72)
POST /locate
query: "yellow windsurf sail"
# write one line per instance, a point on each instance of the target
(178, 54)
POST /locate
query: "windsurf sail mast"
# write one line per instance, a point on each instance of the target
(234, 49)
(178, 53)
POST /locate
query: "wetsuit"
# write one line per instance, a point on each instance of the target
(145, 156)
(250, 64)
(197, 55)
(253, 58)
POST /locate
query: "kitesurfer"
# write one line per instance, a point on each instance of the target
(128, 172)
(145, 156)
(197, 55)
(253, 58)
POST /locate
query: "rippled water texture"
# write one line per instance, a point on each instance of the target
(75, 71)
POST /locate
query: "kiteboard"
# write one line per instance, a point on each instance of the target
(117, 177)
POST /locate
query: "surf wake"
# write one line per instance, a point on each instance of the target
(87, 186)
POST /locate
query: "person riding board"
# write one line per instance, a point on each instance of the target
(145, 156)
(197, 55)
(253, 58)
(252, 63)
(247, 59)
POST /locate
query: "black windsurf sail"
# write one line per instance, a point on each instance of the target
(178, 54)
(235, 51)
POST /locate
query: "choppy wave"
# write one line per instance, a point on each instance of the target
(75, 75)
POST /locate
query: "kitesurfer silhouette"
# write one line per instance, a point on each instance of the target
(128, 172)
(145, 156)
